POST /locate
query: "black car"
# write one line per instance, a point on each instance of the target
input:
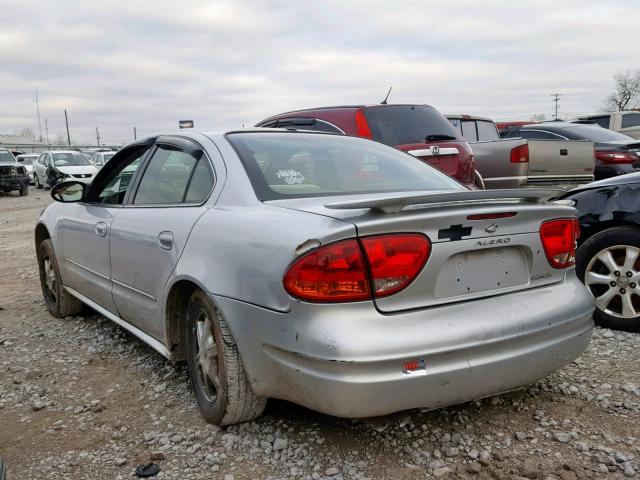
(13, 176)
(608, 257)
(615, 153)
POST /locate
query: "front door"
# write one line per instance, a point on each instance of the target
(149, 234)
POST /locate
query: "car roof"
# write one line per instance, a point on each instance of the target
(346, 107)
(62, 151)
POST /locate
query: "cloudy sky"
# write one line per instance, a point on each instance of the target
(116, 64)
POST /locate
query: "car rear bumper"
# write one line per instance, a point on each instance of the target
(347, 359)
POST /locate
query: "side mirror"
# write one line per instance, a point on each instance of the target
(68, 192)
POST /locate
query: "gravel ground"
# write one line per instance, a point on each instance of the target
(81, 398)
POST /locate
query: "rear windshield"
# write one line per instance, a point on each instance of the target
(298, 165)
(593, 133)
(403, 124)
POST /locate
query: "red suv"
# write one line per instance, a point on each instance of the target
(419, 130)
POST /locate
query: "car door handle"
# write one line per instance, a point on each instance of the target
(165, 240)
(101, 229)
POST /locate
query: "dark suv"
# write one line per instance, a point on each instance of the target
(419, 130)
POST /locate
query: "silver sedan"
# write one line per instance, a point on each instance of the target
(331, 271)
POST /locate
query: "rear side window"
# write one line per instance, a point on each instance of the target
(201, 183)
(469, 130)
(297, 165)
(630, 120)
(405, 124)
(487, 131)
(537, 135)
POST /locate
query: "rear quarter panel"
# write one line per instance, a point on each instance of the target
(493, 161)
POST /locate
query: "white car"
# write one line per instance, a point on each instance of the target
(99, 159)
(67, 165)
(27, 160)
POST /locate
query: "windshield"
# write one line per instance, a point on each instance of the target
(403, 124)
(285, 165)
(107, 156)
(595, 134)
(69, 159)
(7, 157)
(26, 160)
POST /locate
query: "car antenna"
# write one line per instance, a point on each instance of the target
(384, 102)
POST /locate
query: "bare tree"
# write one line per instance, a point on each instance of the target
(538, 117)
(627, 93)
(60, 139)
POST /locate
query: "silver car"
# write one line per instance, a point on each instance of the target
(331, 271)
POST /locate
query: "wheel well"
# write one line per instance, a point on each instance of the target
(600, 226)
(41, 234)
(177, 302)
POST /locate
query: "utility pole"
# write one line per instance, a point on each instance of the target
(98, 136)
(556, 99)
(66, 120)
(135, 134)
(38, 113)
(46, 129)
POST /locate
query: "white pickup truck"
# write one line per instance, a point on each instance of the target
(518, 162)
(627, 122)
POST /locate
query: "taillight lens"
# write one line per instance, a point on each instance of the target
(559, 241)
(520, 154)
(337, 272)
(615, 157)
(333, 273)
(395, 260)
(362, 125)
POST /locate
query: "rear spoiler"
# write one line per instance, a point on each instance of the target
(394, 203)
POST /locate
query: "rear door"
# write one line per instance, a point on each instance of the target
(149, 234)
(553, 158)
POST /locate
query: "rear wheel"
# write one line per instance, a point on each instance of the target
(609, 265)
(216, 370)
(60, 303)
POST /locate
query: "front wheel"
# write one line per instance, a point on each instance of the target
(24, 191)
(609, 265)
(36, 180)
(216, 370)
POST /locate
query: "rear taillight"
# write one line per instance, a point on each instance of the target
(362, 125)
(615, 157)
(520, 154)
(337, 272)
(559, 241)
(333, 273)
(395, 260)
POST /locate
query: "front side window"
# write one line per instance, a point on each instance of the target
(114, 186)
(166, 177)
(298, 165)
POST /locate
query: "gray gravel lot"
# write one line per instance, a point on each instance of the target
(80, 398)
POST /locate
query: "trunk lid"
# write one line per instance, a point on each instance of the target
(451, 157)
(469, 258)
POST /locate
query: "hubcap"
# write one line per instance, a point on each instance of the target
(612, 276)
(50, 277)
(207, 356)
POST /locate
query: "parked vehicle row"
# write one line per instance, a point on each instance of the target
(626, 122)
(325, 269)
(27, 160)
(510, 163)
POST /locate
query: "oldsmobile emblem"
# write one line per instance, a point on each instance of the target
(491, 228)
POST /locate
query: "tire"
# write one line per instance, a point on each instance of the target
(228, 399)
(60, 303)
(24, 191)
(36, 180)
(617, 295)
